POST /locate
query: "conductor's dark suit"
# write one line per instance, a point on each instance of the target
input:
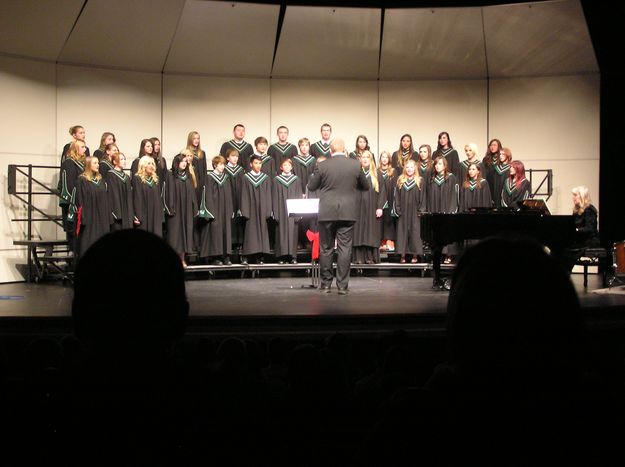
(337, 180)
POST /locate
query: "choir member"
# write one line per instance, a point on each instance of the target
(260, 150)
(362, 145)
(119, 189)
(408, 201)
(368, 225)
(303, 163)
(446, 150)
(282, 149)
(216, 239)
(94, 218)
(106, 163)
(161, 162)
(180, 206)
(442, 188)
(470, 149)
(442, 197)
(235, 174)
(405, 153)
(78, 134)
(145, 149)
(491, 158)
(517, 187)
(322, 147)
(146, 197)
(424, 167)
(255, 206)
(200, 167)
(475, 192)
(106, 139)
(238, 142)
(286, 185)
(71, 168)
(499, 174)
(387, 178)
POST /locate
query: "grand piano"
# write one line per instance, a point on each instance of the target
(439, 230)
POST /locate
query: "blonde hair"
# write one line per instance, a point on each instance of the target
(73, 151)
(143, 162)
(189, 153)
(403, 177)
(199, 153)
(472, 147)
(373, 171)
(582, 191)
(87, 172)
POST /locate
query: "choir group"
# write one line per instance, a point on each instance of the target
(237, 200)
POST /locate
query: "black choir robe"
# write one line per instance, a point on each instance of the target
(285, 187)
(269, 165)
(442, 194)
(99, 154)
(148, 204)
(320, 149)
(216, 239)
(201, 170)
(476, 195)
(68, 180)
(280, 152)
(105, 166)
(425, 169)
(235, 174)
(368, 227)
(120, 199)
(245, 152)
(255, 206)
(180, 207)
(95, 214)
(408, 201)
(512, 196)
(464, 168)
(453, 161)
(399, 160)
(498, 177)
(389, 229)
(303, 167)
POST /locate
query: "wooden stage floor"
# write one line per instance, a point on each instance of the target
(288, 303)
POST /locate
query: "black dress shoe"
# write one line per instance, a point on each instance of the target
(217, 263)
(324, 288)
(227, 262)
(343, 292)
(293, 261)
(244, 261)
(280, 262)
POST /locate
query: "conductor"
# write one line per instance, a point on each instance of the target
(337, 181)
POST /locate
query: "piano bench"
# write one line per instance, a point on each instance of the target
(594, 256)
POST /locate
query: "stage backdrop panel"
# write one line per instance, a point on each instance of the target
(125, 103)
(350, 107)
(551, 122)
(212, 106)
(27, 136)
(425, 108)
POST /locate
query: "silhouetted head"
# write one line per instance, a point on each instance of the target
(129, 291)
(513, 309)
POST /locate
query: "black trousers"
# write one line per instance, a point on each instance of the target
(343, 233)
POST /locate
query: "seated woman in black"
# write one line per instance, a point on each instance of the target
(585, 215)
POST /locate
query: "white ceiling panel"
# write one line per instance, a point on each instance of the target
(123, 34)
(36, 28)
(445, 43)
(319, 42)
(538, 39)
(224, 38)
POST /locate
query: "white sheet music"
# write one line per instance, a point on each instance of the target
(302, 207)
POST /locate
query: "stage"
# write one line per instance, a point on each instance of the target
(283, 303)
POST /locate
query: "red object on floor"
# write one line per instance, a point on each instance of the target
(78, 219)
(314, 238)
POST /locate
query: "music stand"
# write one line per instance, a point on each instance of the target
(309, 208)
